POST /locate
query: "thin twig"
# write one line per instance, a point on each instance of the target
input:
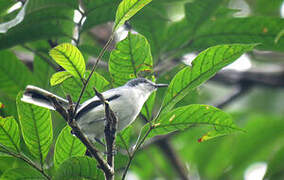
(135, 150)
(27, 160)
(93, 70)
(238, 92)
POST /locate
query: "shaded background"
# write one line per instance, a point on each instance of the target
(251, 89)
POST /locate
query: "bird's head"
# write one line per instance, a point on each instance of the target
(144, 85)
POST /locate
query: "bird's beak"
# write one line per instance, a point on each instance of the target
(161, 85)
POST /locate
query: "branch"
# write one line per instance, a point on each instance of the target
(68, 116)
(110, 132)
(238, 92)
(254, 78)
(131, 157)
(169, 151)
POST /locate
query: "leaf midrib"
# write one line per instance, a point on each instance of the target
(126, 13)
(207, 123)
(37, 135)
(11, 139)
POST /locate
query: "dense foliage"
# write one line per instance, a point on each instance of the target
(181, 131)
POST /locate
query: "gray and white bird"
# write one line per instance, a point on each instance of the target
(126, 102)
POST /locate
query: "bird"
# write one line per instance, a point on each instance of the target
(125, 101)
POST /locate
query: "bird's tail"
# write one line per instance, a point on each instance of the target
(40, 97)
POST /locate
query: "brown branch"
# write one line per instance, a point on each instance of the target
(68, 116)
(254, 78)
(110, 132)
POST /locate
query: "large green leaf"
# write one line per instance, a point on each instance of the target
(4, 6)
(196, 14)
(59, 77)
(43, 71)
(123, 138)
(36, 126)
(127, 9)
(73, 86)
(44, 19)
(156, 28)
(21, 173)
(186, 116)
(240, 30)
(67, 146)
(275, 165)
(70, 58)
(9, 133)
(14, 75)
(99, 11)
(131, 56)
(204, 66)
(5, 26)
(77, 168)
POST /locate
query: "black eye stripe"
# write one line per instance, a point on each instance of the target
(92, 105)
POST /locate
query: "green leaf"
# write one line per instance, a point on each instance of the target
(279, 35)
(1, 105)
(9, 133)
(21, 173)
(199, 12)
(44, 19)
(240, 30)
(204, 66)
(59, 77)
(187, 116)
(196, 14)
(155, 30)
(275, 165)
(148, 106)
(14, 75)
(36, 126)
(67, 146)
(73, 86)
(123, 137)
(131, 56)
(127, 9)
(99, 12)
(77, 168)
(4, 6)
(5, 26)
(43, 71)
(70, 58)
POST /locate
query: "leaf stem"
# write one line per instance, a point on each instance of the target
(93, 70)
(131, 157)
(26, 159)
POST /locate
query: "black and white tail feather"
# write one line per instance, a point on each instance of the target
(40, 97)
